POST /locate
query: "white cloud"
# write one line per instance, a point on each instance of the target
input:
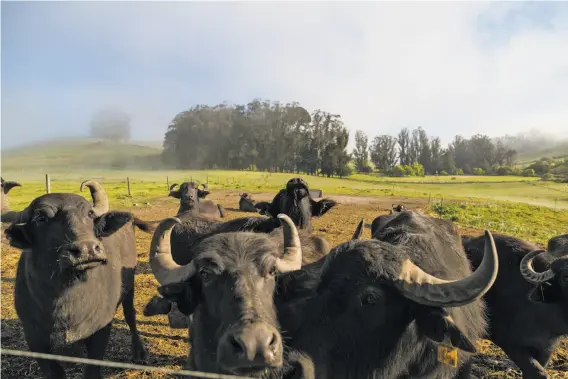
(382, 66)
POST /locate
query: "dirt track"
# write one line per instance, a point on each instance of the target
(168, 347)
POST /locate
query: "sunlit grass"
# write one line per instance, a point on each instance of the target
(146, 185)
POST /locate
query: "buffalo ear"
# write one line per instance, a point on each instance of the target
(110, 222)
(201, 194)
(319, 208)
(182, 294)
(438, 325)
(157, 306)
(18, 236)
(175, 194)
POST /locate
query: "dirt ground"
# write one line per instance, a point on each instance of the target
(169, 347)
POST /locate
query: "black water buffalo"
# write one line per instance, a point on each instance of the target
(246, 203)
(528, 304)
(186, 236)
(380, 307)
(228, 287)
(296, 202)
(77, 266)
(191, 203)
(380, 221)
(262, 207)
(4, 198)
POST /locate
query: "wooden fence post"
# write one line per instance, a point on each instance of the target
(167, 183)
(207, 180)
(430, 198)
(47, 184)
(128, 185)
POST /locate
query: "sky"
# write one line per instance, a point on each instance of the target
(451, 67)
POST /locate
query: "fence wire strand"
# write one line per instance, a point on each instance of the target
(130, 366)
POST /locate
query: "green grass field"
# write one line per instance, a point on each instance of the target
(529, 209)
(146, 185)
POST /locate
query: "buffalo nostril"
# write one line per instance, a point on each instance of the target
(75, 251)
(273, 342)
(97, 249)
(236, 344)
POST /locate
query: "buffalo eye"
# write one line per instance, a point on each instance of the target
(368, 298)
(91, 214)
(273, 271)
(39, 218)
(206, 275)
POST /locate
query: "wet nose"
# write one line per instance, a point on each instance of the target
(257, 344)
(88, 249)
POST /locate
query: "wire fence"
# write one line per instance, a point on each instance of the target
(111, 364)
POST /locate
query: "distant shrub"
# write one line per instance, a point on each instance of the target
(478, 171)
(528, 172)
(398, 170)
(504, 170)
(444, 173)
(366, 169)
(417, 169)
(548, 177)
(460, 171)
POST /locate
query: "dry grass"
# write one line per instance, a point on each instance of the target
(168, 347)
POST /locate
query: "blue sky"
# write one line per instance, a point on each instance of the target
(450, 67)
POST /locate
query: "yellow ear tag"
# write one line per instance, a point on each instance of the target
(448, 355)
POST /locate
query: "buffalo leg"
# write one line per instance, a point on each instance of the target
(543, 356)
(464, 371)
(138, 350)
(50, 369)
(96, 346)
(529, 365)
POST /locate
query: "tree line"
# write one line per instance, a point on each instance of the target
(413, 152)
(261, 135)
(271, 136)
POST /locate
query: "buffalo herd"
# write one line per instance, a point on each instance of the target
(262, 296)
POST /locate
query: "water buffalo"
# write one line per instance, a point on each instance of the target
(262, 207)
(77, 266)
(191, 203)
(380, 221)
(380, 307)
(528, 304)
(4, 198)
(229, 286)
(186, 237)
(296, 202)
(246, 203)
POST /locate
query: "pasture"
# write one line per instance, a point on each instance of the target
(474, 203)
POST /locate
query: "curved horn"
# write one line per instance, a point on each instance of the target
(359, 230)
(100, 199)
(292, 259)
(173, 186)
(164, 268)
(528, 272)
(12, 217)
(205, 186)
(7, 186)
(426, 289)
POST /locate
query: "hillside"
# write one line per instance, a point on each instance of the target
(73, 154)
(560, 150)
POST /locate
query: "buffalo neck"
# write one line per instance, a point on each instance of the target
(78, 303)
